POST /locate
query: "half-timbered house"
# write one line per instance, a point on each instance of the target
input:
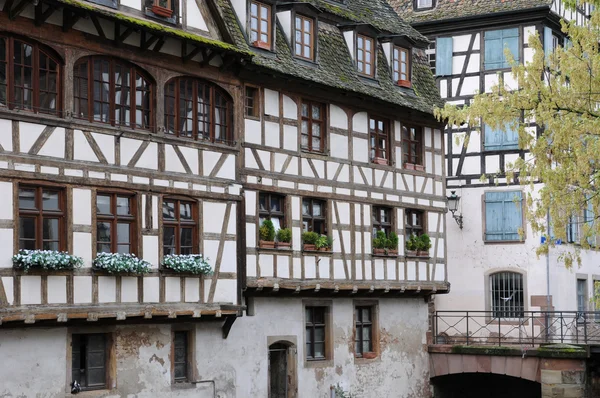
(164, 130)
(494, 266)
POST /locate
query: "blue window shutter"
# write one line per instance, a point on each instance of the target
(495, 42)
(500, 139)
(503, 215)
(443, 56)
(548, 41)
(511, 41)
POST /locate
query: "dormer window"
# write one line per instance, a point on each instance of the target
(401, 66)
(304, 37)
(365, 55)
(260, 25)
(424, 4)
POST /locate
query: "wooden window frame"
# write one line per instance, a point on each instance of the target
(387, 227)
(108, 359)
(35, 90)
(89, 99)
(268, 213)
(256, 100)
(310, 122)
(410, 229)
(210, 125)
(311, 35)
(371, 59)
(407, 142)
(397, 66)
(188, 332)
(39, 215)
(312, 218)
(178, 224)
(115, 219)
(312, 326)
(374, 323)
(259, 43)
(377, 154)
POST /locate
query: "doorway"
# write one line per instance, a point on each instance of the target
(282, 370)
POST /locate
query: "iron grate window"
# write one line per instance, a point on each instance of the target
(88, 360)
(507, 295)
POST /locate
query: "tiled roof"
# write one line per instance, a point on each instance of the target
(449, 9)
(335, 67)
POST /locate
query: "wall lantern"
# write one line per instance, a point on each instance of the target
(453, 201)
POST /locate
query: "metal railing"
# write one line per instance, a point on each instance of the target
(524, 328)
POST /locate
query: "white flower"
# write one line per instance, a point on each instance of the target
(193, 263)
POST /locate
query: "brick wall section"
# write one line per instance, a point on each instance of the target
(563, 378)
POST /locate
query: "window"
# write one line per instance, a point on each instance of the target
(313, 216)
(41, 218)
(424, 4)
(313, 126)
(412, 145)
(315, 333)
(260, 25)
(163, 9)
(271, 207)
(382, 220)
(413, 222)
(573, 230)
(252, 102)
(443, 56)
(365, 55)
(581, 295)
(89, 360)
(363, 337)
(198, 110)
(179, 227)
(115, 223)
(30, 76)
(507, 295)
(501, 139)
(112, 91)
(379, 140)
(401, 66)
(495, 43)
(180, 356)
(304, 46)
(503, 216)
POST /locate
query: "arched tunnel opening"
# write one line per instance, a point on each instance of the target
(488, 385)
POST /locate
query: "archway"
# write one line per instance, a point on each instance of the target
(282, 370)
(489, 385)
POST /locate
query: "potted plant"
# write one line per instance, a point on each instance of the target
(392, 244)
(284, 238)
(423, 246)
(267, 234)
(45, 259)
(412, 246)
(309, 240)
(380, 243)
(121, 263)
(192, 263)
(323, 243)
(162, 8)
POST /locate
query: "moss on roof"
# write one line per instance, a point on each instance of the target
(158, 28)
(450, 9)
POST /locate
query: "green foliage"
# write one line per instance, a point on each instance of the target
(45, 259)
(310, 238)
(423, 243)
(322, 242)
(561, 92)
(340, 392)
(193, 263)
(380, 241)
(267, 231)
(284, 235)
(412, 243)
(118, 262)
(392, 241)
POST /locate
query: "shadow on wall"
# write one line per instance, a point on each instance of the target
(478, 385)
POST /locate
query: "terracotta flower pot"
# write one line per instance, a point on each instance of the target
(409, 166)
(419, 167)
(266, 244)
(378, 251)
(383, 161)
(284, 245)
(404, 83)
(421, 253)
(393, 252)
(162, 11)
(324, 249)
(261, 44)
(309, 248)
(410, 253)
(369, 355)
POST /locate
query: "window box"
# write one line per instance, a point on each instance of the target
(162, 11)
(261, 44)
(410, 253)
(383, 161)
(45, 259)
(309, 247)
(412, 166)
(118, 263)
(284, 245)
(192, 263)
(423, 254)
(405, 83)
(379, 251)
(266, 244)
